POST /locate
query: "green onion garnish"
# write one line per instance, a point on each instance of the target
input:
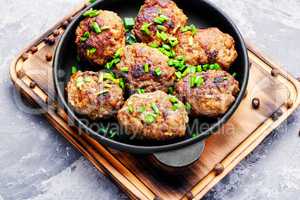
(178, 75)
(122, 83)
(166, 47)
(214, 66)
(96, 28)
(161, 28)
(205, 67)
(118, 53)
(91, 51)
(150, 118)
(85, 36)
(140, 91)
(188, 107)
(130, 38)
(91, 13)
(192, 81)
(173, 41)
(155, 108)
(162, 35)
(124, 69)
(175, 106)
(191, 28)
(146, 67)
(234, 74)
(74, 69)
(199, 68)
(171, 90)
(199, 81)
(157, 71)
(130, 109)
(173, 100)
(161, 19)
(154, 45)
(145, 28)
(142, 109)
(128, 22)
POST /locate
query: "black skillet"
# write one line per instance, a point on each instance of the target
(175, 153)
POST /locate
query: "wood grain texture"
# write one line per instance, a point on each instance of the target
(139, 176)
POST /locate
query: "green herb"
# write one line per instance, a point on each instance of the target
(205, 67)
(214, 66)
(128, 22)
(234, 74)
(122, 83)
(145, 28)
(179, 64)
(162, 35)
(157, 71)
(112, 63)
(109, 76)
(191, 28)
(175, 106)
(85, 36)
(142, 109)
(171, 90)
(118, 53)
(96, 28)
(91, 51)
(199, 81)
(161, 28)
(154, 45)
(199, 68)
(124, 69)
(130, 38)
(188, 107)
(150, 118)
(178, 75)
(155, 108)
(161, 19)
(173, 41)
(130, 109)
(192, 69)
(140, 91)
(170, 53)
(173, 100)
(74, 69)
(166, 47)
(91, 13)
(146, 67)
(192, 81)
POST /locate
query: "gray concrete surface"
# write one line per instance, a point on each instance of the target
(37, 163)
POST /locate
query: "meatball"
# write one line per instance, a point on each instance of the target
(97, 95)
(158, 16)
(209, 93)
(99, 37)
(145, 68)
(154, 116)
(207, 46)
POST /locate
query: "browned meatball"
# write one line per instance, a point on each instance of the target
(209, 93)
(99, 37)
(158, 15)
(154, 116)
(207, 46)
(145, 68)
(96, 95)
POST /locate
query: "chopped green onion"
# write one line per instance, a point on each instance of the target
(214, 66)
(142, 109)
(74, 69)
(171, 90)
(205, 67)
(145, 28)
(85, 36)
(155, 108)
(124, 69)
(118, 53)
(112, 63)
(128, 22)
(191, 28)
(91, 51)
(166, 47)
(192, 69)
(173, 100)
(188, 107)
(234, 74)
(150, 118)
(96, 28)
(140, 91)
(173, 41)
(122, 83)
(130, 109)
(178, 75)
(199, 68)
(175, 106)
(154, 45)
(108, 76)
(91, 13)
(161, 19)
(199, 81)
(162, 35)
(130, 38)
(192, 81)
(161, 28)
(146, 67)
(157, 71)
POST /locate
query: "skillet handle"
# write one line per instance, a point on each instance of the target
(180, 157)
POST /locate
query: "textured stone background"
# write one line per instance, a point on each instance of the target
(36, 163)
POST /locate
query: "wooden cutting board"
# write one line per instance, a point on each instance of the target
(139, 176)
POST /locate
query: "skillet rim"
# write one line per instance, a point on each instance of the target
(160, 148)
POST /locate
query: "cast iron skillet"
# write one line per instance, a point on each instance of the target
(176, 153)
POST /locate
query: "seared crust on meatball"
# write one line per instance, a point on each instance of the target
(145, 68)
(211, 98)
(153, 116)
(98, 48)
(153, 9)
(207, 46)
(92, 94)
